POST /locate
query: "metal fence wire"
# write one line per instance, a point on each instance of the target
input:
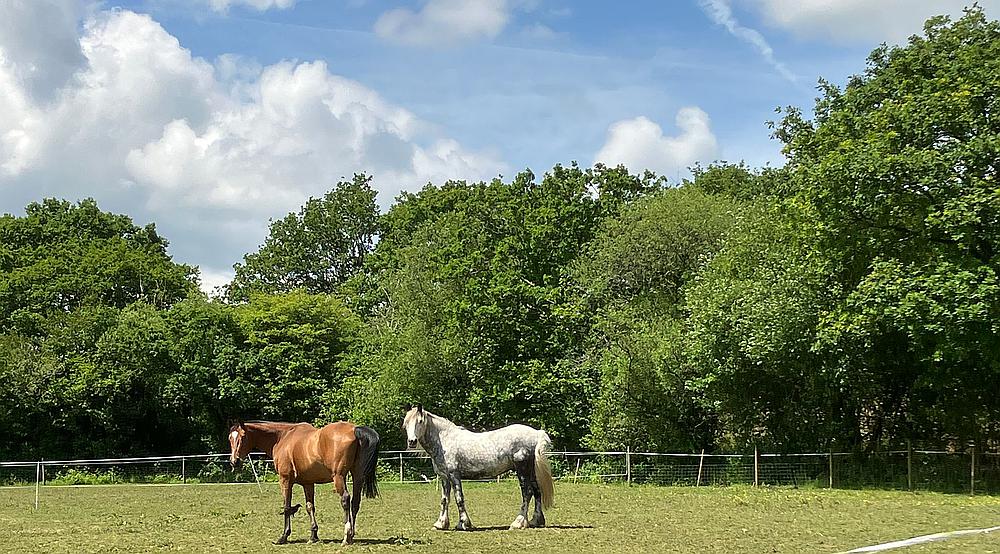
(956, 472)
(208, 468)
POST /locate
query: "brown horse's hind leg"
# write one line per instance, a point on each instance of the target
(340, 482)
(357, 479)
(310, 492)
(287, 510)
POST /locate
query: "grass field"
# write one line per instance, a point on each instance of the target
(587, 518)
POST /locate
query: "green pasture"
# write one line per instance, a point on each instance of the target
(587, 518)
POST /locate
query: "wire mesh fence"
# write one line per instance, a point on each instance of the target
(208, 468)
(942, 471)
(945, 471)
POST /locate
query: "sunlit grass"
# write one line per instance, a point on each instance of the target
(587, 518)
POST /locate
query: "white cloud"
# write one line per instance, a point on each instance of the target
(640, 143)
(867, 20)
(40, 45)
(212, 280)
(200, 147)
(443, 22)
(259, 5)
(722, 14)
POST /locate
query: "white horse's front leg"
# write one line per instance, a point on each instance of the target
(442, 522)
(464, 522)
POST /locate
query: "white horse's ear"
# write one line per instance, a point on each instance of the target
(420, 408)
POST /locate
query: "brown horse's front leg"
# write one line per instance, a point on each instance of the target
(287, 510)
(345, 500)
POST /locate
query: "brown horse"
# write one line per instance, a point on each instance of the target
(306, 456)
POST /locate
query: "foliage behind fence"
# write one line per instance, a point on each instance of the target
(898, 469)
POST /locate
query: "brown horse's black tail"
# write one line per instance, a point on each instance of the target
(368, 441)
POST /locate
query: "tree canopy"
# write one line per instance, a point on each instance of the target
(849, 299)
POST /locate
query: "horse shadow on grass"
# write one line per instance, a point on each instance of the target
(366, 541)
(507, 528)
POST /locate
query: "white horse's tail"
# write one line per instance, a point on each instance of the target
(543, 471)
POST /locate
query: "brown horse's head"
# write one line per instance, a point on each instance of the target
(240, 445)
(414, 423)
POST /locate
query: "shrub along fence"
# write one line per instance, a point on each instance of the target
(957, 472)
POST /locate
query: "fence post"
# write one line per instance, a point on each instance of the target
(628, 465)
(756, 466)
(909, 465)
(831, 467)
(183, 470)
(400, 467)
(701, 463)
(972, 481)
(38, 480)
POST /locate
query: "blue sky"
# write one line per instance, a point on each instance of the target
(211, 116)
(539, 100)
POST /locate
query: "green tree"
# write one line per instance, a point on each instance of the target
(900, 168)
(207, 388)
(740, 182)
(316, 249)
(61, 256)
(633, 274)
(295, 345)
(752, 321)
(470, 286)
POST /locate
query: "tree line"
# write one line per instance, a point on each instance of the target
(848, 299)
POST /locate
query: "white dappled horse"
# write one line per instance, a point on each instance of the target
(458, 453)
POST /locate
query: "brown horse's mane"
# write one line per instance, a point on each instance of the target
(237, 425)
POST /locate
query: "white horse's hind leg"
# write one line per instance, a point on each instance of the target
(442, 522)
(525, 475)
(538, 518)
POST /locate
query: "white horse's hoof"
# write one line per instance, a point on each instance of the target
(441, 525)
(464, 526)
(519, 523)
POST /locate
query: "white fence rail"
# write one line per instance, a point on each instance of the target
(900, 469)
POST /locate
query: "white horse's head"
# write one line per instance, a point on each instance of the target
(415, 424)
